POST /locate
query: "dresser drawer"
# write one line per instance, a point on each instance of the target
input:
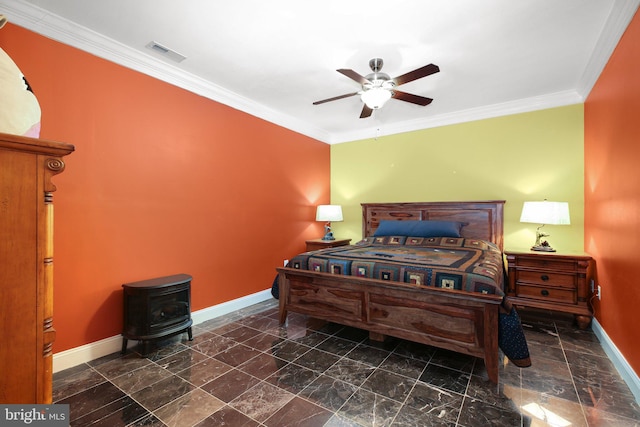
(547, 278)
(547, 294)
(551, 264)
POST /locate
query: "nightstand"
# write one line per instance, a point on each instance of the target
(551, 280)
(315, 244)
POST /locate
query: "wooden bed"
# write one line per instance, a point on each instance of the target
(455, 320)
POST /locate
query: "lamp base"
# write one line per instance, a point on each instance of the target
(328, 236)
(542, 248)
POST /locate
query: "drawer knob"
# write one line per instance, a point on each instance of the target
(544, 292)
(544, 277)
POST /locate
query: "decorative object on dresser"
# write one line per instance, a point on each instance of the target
(328, 213)
(315, 244)
(26, 256)
(551, 281)
(156, 308)
(545, 212)
(423, 305)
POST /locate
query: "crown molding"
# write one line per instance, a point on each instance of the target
(42, 22)
(64, 31)
(559, 99)
(617, 22)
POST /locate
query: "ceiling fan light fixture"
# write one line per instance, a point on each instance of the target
(376, 97)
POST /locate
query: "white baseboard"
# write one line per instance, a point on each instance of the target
(626, 371)
(88, 352)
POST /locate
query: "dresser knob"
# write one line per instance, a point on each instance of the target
(544, 277)
(544, 292)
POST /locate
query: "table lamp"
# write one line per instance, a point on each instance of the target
(328, 213)
(545, 212)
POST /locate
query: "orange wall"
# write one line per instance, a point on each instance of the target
(162, 182)
(612, 192)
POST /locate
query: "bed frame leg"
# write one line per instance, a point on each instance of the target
(283, 288)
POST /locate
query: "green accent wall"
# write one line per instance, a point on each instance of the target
(529, 156)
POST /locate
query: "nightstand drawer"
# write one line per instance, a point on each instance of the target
(547, 294)
(551, 264)
(547, 278)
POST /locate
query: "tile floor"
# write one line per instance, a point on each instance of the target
(243, 369)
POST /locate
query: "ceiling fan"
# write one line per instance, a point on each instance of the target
(378, 87)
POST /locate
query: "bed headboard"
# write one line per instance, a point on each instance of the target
(483, 219)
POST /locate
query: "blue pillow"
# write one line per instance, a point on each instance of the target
(419, 228)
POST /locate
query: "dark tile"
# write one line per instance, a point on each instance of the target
(415, 350)
(263, 365)
(478, 413)
(446, 378)
(350, 371)
(328, 392)
(141, 378)
(227, 416)
(261, 401)
(159, 394)
(388, 384)
(311, 338)
(116, 367)
(85, 402)
(317, 360)
(189, 409)
(289, 350)
(501, 395)
(148, 421)
(263, 341)
(443, 404)
(203, 372)
(119, 413)
(242, 334)
(237, 355)
(293, 378)
(230, 385)
(336, 346)
(411, 417)
(181, 360)
(453, 360)
(539, 352)
(402, 365)
(215, 345)
(74, 380)
(369, 355)
(332, 371)
(370, 409)
(300, 413)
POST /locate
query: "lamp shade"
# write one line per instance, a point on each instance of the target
(329, 213)
(375, 97)
(545, 212)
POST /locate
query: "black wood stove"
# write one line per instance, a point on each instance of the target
(156, 308)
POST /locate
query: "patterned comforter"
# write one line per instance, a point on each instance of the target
(443, 262)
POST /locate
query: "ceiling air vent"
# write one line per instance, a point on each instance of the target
(165, 51)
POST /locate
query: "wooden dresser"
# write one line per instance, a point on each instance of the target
(26, 260)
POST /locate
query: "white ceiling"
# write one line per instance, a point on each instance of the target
(272, 59)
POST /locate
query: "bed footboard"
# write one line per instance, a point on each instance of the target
(453, 320)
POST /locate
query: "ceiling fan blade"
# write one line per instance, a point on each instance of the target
(366, 112)
(335, 98)
(409, 97)
(353, 75)
(416, 74)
